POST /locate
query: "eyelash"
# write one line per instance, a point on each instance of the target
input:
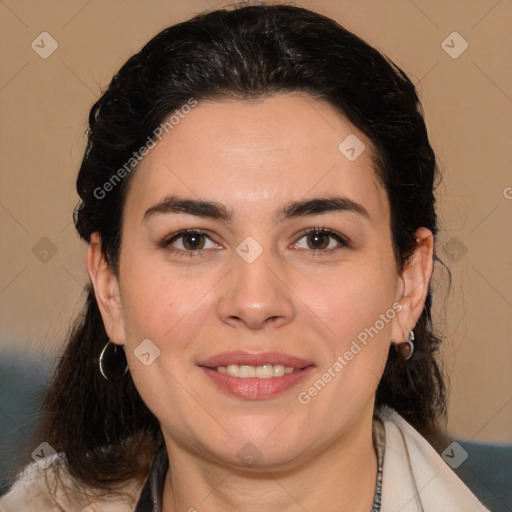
(166, 242)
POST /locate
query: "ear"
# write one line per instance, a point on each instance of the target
(106, 289)
(413, 286)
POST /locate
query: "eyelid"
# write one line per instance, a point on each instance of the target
(343, 240)
(166, 241)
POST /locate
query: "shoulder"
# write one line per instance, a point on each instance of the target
(49, 488)
(28, 493)
(415, 477)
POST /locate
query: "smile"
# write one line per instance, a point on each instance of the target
(266, 371)
(255, 376)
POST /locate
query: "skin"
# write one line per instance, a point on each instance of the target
(255, 157)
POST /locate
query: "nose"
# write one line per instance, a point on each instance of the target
(256, 294)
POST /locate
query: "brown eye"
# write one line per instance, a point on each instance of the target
(319, 239)
(188, 242)
(193, 241)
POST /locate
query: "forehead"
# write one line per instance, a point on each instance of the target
(258, 153)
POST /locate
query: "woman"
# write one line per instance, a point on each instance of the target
(257, 195)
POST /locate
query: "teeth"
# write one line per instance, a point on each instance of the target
(233, 370)
(246, 372)
(278, 370)
(266, 371)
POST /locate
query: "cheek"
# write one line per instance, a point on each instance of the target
(161, 304)
(168, 309)
(352, 299)
(357, 307)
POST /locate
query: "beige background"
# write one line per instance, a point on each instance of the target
(468, 105)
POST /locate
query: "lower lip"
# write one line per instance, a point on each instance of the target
(254, 388)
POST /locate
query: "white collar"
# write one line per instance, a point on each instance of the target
(415, 477)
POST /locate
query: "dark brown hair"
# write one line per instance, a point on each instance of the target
(238, 53)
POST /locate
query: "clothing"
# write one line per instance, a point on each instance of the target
(414, 479)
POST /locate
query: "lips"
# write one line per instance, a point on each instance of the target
(254, 388)
(247, 359)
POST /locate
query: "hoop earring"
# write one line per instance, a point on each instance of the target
(112, 362)
(406, 348)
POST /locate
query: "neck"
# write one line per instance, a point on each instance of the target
(341, 477)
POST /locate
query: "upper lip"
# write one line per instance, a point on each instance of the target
(248, 359)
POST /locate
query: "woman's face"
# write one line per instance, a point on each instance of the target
(252, 289)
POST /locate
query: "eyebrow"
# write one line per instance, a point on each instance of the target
(214, 210)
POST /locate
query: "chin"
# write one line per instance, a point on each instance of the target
(257, 448)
